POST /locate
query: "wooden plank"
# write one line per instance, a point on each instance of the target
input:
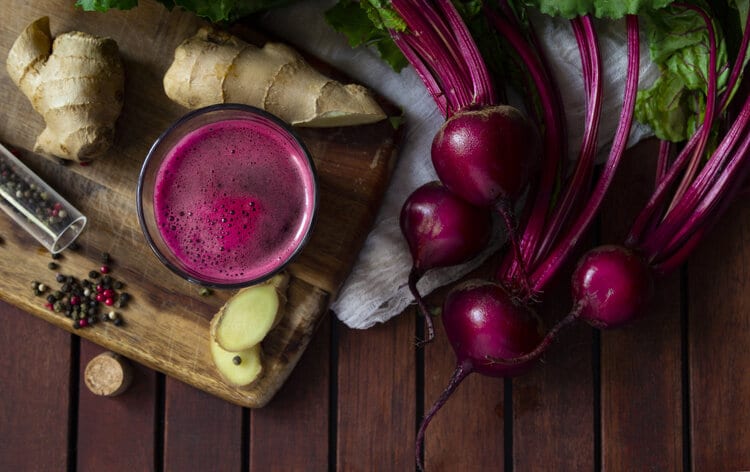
(376, 393)
(34, 397)
(719, 336)
(557, 396)
(292, 431)
(118, 433)
(201, 432)
(641, 381)
(353, 166)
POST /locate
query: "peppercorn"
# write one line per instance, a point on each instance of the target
(91, 320)
(237, 360)
(34, 285)
(118, 321)
(76, 324)
(105, 258)
(104, 269)
(204, 292)
(60, 278)
(94, 274)
(56, 256)
(51, 298)
(52, 266)
(124, 297)
(118, 285)
(106, 280)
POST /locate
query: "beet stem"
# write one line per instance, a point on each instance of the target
(545, 343)
(554, 141)
(559, 254)
(414, 277)
(462, 370)
(506, 213)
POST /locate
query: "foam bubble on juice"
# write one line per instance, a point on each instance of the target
(233, 200)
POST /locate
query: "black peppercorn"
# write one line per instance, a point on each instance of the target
(52, 266)
(51, 298)
(117, 321)
(94, 274)
(237, 360)
(60, 278)
(56, 256)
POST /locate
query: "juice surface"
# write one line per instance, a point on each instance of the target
(233, 200)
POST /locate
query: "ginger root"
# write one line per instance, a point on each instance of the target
(250, 314)
(238, 328)
(75, 83)
(215, 67)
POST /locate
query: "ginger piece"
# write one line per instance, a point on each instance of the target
(239, 369)
(76, 83)
(215, 67)
(249, 315)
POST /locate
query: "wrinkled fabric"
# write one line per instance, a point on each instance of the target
(376, 289)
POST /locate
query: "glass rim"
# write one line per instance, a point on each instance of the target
(288, 129)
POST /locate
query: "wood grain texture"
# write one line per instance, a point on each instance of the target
(166, 324)
(719, 337)
(376, 393)
(641, 377)
(128, 423)
(292, 431)
(557, 396)
(201, 432)
(35, 389)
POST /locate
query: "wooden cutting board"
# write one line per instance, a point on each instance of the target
(166, 323)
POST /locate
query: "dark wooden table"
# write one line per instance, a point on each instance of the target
(671, 392)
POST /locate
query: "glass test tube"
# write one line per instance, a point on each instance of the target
(35, 206)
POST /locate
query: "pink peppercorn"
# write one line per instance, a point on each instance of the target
(99, 297)
(109, 301)
(49, 306)
(108, 293)
(74, 300)
(83, 322)
(104, 269)
(99, 288)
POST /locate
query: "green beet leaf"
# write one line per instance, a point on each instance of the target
(599, 8)
(366, 24)
(678, 44)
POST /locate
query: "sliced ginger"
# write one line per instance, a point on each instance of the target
(215, 67)
(239, 369)
(76, 83)
(247, 317)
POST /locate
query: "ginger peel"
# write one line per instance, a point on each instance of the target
(215, 67)
(76, 83)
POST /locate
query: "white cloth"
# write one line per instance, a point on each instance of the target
(376, 289)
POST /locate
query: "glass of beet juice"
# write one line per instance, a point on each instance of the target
(227, 196)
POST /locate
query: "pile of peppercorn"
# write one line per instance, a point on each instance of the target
(86, 301)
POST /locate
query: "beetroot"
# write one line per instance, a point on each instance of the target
(611, 286)
(483, 323)
(486, 155)
(441, 230)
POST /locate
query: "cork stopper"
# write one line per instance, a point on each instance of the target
(108, 374)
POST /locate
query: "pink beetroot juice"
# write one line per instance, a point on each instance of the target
(234, 200)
